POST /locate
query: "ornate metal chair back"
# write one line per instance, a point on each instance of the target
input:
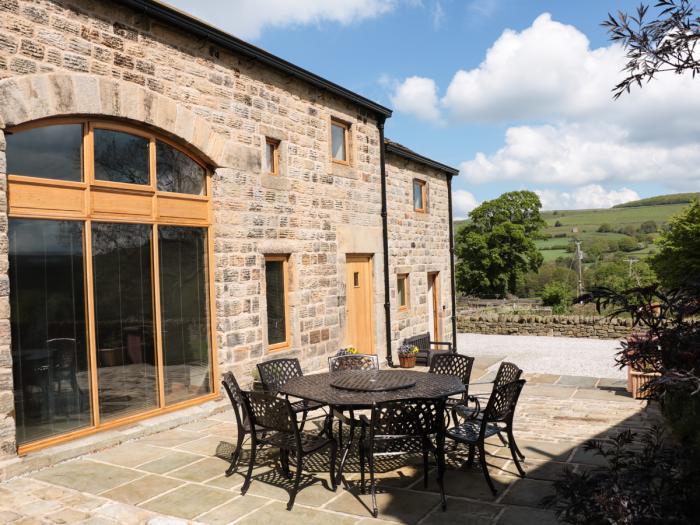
(275, 373)
(344, 363)
(507, 373)
(235, 395)
(270, 412)
(452, 365)
(501, 405)
(417, 417)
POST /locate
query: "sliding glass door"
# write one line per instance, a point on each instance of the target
(109, 246)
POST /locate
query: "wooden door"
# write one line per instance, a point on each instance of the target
(433, 306)
(359, 327)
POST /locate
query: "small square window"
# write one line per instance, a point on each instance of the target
(402, 291)
(272, 156)
(339, 141)
(420, 195)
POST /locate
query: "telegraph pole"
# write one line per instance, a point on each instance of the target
(579, 267)
(631, 263)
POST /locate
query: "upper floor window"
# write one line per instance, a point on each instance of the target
(272, 156)
(339, 141)
(420, 195)
(119, 155)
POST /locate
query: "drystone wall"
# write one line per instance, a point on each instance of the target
(554, 325)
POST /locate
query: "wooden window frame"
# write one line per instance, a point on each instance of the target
(346, 139)
(275, 155)
(424, 195)
(284, 259)
(137, 204)
(407, 291)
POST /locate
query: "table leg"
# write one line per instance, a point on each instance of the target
(346, 448)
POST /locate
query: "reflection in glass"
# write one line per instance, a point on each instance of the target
(401, 290)
(49, 350)
(184, 310)
(120, 157)
(177, 172)
(418, 196)
(51, 152)
(338, 141)
(121, 258)
(271, 156)
(274, 292)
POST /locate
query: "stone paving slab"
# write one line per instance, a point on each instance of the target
(176, 477)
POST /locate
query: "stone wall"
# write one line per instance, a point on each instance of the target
(98, 58)
(419, 244)
(555, 325)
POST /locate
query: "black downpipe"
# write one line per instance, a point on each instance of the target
(385, 242)
(452, 264)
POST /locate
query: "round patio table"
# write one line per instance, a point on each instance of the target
(359, 389)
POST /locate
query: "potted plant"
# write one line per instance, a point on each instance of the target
(350, 350)
(407, 355)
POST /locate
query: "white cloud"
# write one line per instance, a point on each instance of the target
(463, 202)
(483, 8)
(418, 96)
(248, 18)
(585, 197)
(437, 14)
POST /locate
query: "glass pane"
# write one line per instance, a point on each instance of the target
(177, 172)
(274, 291)
(418, 196)
(52, 152)
(269, 157)
(120, 157)
(401, 291)
(121, 258)
(49, 349)
(184, 308)
(338, 139)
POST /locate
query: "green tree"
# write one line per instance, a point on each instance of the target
(627, 244)
(677, 262)
(496, 247)
(648, 227)
(619, 274)
(606, 227)
(558, 295)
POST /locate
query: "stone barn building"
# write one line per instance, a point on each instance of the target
(177, 203)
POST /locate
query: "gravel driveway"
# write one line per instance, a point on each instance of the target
(547, 355)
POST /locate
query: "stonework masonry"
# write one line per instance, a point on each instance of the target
(419, 244)
(99, 58)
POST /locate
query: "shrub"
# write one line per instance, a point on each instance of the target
(605, 228)
(557, 295)
(648, 227)
(627, 244)
(558, 224)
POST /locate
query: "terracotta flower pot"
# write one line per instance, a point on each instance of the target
(636, 380)
(407, 361)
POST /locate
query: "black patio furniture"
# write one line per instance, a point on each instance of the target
(243, 427)
(454, 365)
(507, 373)
(496, 418)
(426, 347)
(277, 418)
(319, 388)
(276, 373)
(345, 363)
(400, 427)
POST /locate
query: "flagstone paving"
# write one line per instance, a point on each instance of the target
(177, 476)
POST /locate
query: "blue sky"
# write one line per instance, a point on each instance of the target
(516, 93)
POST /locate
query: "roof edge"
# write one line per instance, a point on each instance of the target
(402, 151)
(198, 27)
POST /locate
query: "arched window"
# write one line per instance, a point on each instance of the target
(110, 264)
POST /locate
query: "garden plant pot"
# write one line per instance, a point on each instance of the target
(407, 361)
(637, 380)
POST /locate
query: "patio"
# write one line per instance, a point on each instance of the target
(177, 474)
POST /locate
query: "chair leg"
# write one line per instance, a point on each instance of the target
(503, 440)
(425, 464)
(305, 413)
(251, 464)
(372, 487)
(236, 455)
(484, 466)
(362, 466)
(284, 461)
(440, 457)
(297, 479)
(334, 455)
(511, 440)
(514, 452)
(470, 457)
(340, 433)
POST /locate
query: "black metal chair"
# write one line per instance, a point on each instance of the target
(277, 418)
(275, 373)
(454, 365)
(400, 427)
(345, 363)
(426, 347)
(242, 420)
(507, 373)
(496, 418)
